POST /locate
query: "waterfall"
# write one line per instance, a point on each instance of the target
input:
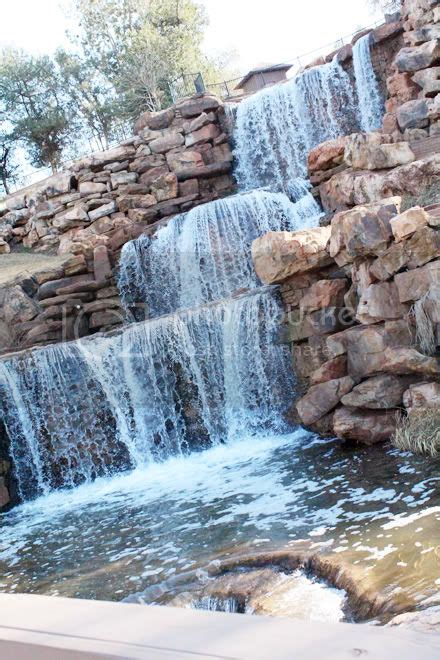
(177, 383)
(205, 254)
(276, 128)
(370, 102)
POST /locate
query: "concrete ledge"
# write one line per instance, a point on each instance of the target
(51, 628)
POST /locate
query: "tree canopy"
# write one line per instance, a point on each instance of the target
(123, 59)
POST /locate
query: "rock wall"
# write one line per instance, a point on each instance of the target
(353, 293)
(362, 292)
(177, 159)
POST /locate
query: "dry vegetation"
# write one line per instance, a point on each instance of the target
(419, 432)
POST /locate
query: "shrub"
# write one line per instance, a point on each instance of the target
(419, 431)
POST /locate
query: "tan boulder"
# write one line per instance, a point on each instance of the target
(422, 395)
(409, 361)
(403, 87)
(362, 231)
(412, 285)
(278, 255)
(371, 151)
(351, 187)
(165, 187)
(208, 132)
(380, 302)
(366, 346)
(184, 160)
(408, 222)
(196, 105)
(366, 426)
(169, 141)
(90, 188)
(159, 120)
(393, 260)
(326, 155)
(324, 293)
(330, 370)
(136, 202)
(322, 398)
(419, 57)
(383, 391)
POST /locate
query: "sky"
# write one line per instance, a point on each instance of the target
(260, 32)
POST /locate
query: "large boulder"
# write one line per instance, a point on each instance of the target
(278, 255)
(324, 293)
(408, 222)
(366, 346)
(326, 155)
(380, 302)
(363, 231)
(196, 105)
(322, 398)
(350, 188)
(422, 395)
(373, 151)
(366, 426)
(409, 361)
(413, 284)
(413, 114)
(419, 57)
(18, 307)
(382, 391)
(169, 141)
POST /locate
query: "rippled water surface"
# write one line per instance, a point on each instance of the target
(377, 510)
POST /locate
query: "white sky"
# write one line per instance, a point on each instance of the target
(259, 31)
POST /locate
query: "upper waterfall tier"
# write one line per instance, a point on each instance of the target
(185, 381)
(205, 254)
(370, 102)
(276, 128)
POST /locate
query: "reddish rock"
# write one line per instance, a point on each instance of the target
(184, 159)
(165, 187)
(402, 87)
(362, 231)
(195, 106)
(4, 493)
(330, 370)
(102, 211)
(409, 361)
(159, 120)
(101, 263)
(368, 427)
(422, 395)
(278, 255)
(321, 322)
(407, 223)
(366, 346)
(76, 265)
(423, 246)
(380, 302)
(412, 285)
(320, 399)
(204, 134)
(383, 391)
(324, 293)
(169, 141)
(136, 202)
(326, 155)
(309, 356)
(394, 259)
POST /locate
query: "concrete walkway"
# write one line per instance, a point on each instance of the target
(41, 627)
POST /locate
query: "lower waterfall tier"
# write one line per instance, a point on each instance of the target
(159, 388)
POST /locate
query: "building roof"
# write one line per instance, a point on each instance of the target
(263, 69)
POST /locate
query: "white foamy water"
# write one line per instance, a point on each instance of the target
(370, 101)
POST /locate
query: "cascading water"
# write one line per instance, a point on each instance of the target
(370, 102)
(276, 128)
(205, 254)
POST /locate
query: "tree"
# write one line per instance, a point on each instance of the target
(89, 94)
(387, 6)
(143, 45)
(8, 165)
(34, 102)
